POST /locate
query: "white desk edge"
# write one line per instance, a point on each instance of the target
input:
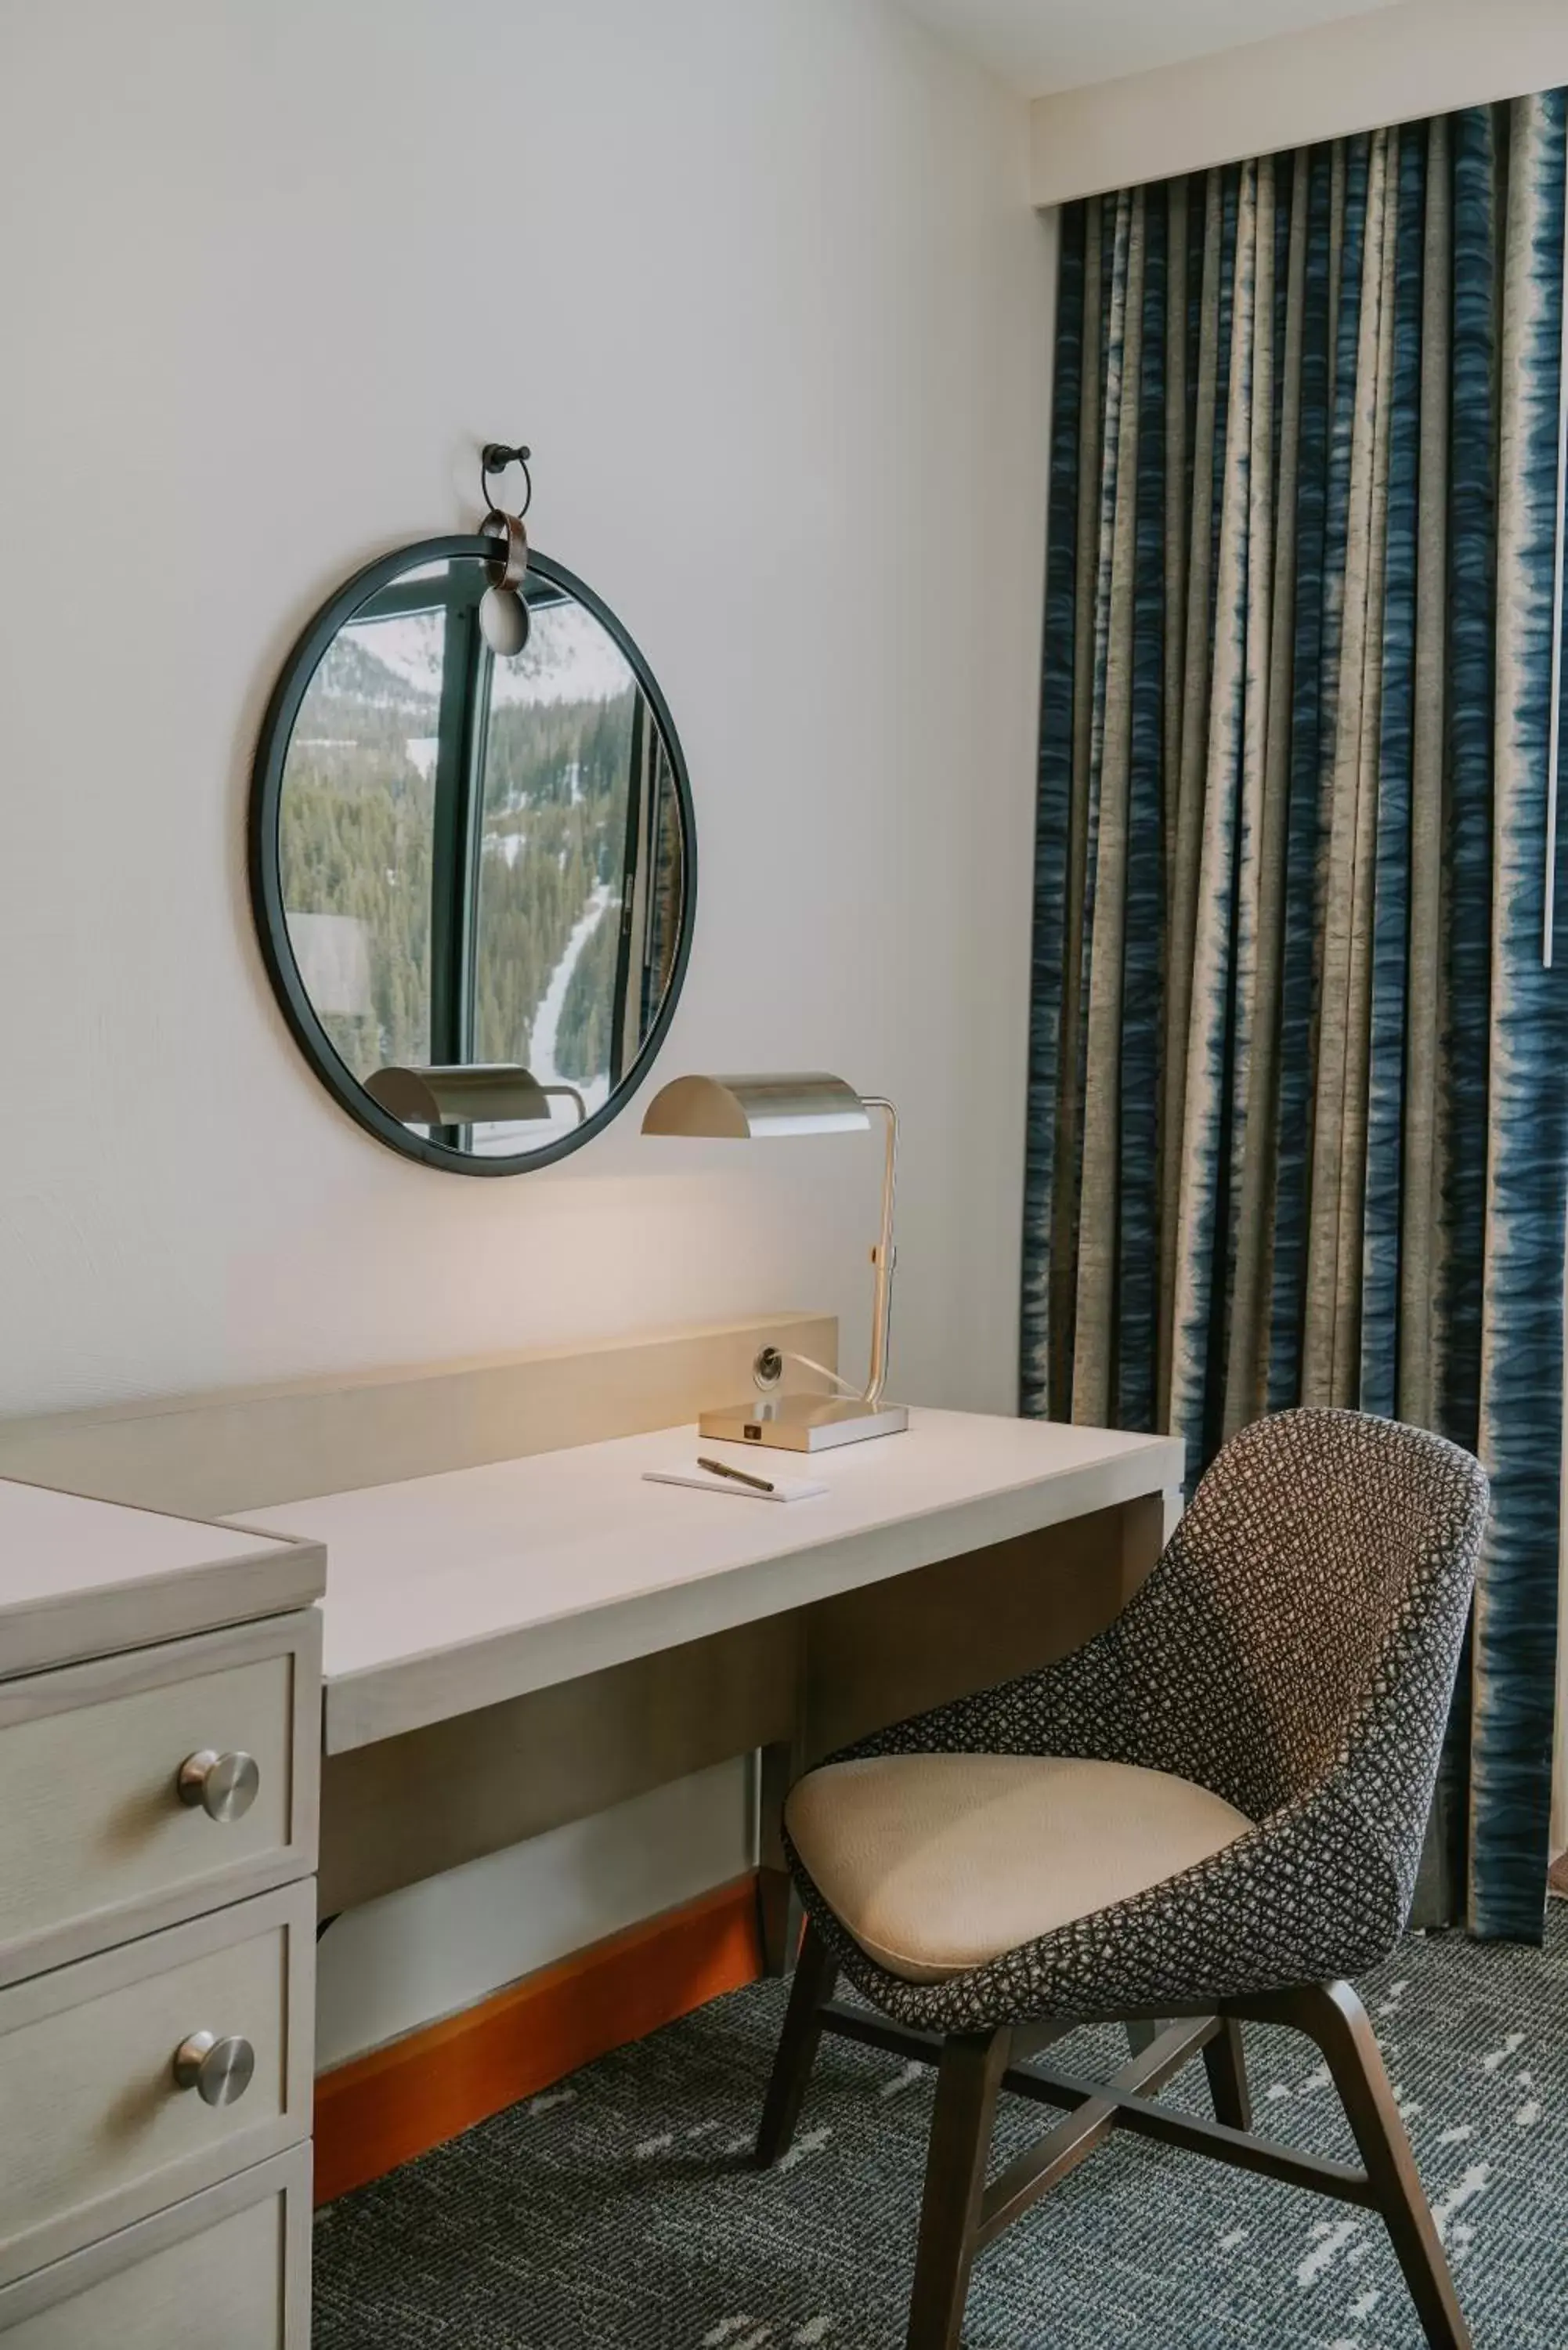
(437, 1603)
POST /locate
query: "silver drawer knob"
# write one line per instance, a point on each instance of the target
(219, 2071)
(225, 1785)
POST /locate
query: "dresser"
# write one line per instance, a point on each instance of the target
(159, 1735)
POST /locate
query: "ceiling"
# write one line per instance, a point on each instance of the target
(1041, 46)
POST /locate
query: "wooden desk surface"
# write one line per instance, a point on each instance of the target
(452, 1592)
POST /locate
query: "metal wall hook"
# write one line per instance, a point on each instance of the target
(503, 620)
(494, 458)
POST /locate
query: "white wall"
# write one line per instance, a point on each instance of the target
(1393, 65)
(762, 288)
(441, 1947)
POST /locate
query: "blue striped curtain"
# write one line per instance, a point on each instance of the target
(1298, 1095)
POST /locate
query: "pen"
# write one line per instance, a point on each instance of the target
(722, 1469)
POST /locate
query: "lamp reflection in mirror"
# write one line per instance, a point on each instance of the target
(473, 1093)
(740, 1109)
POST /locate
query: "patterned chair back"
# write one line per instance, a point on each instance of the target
(1307, 1619)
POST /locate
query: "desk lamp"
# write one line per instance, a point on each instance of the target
(744, 1108)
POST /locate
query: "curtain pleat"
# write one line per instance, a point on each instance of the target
(1256, 1178)
(1115, 652)
(1197, 1365)
(1298, 1081)
(1521, 1324)
(1331, 1328)
(1074, 397)
(1468, 829)
(1420, 1211)
(1063, 1192)
(1255, 684)
(1136, 1224)
(1307, 655)
(1191, 733)
(1389, 786)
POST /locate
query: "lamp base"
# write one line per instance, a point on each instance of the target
(803, 1423)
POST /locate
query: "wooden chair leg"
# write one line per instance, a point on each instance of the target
(815, 1973)
(969, 2079)
(1227, 2068)
(1332, 2016)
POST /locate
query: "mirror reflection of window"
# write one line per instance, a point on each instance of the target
(354, 833)
(557, 764)
(482, 859)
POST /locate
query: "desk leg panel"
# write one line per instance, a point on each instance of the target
(877, 1655)
(780, 1917)
(407, 1808)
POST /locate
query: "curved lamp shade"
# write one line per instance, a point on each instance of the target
(742, 1107)
(474, 1093)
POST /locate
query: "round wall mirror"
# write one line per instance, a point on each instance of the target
(473, 875)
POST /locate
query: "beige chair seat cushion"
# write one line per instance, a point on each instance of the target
(936, 1863)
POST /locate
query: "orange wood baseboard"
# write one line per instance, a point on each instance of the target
(384, 2108)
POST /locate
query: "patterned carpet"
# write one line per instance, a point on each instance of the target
(617, 2212)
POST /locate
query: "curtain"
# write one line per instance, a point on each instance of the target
(1298, 1088)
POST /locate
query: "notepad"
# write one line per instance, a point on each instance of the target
(785, 1489)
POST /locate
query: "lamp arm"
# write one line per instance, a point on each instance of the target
(884, 1256)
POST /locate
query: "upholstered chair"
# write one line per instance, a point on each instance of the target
(1212, 1813)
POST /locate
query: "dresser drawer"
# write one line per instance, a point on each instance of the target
(96, 1842)
(96, 2131)
(227, 2269)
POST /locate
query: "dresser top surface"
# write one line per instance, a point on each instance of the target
(80, 1579)
(450, 1592)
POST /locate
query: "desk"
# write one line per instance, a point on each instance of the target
(520, 1632)
(519, 1644)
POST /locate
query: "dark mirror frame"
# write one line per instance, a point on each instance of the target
(267, 882)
